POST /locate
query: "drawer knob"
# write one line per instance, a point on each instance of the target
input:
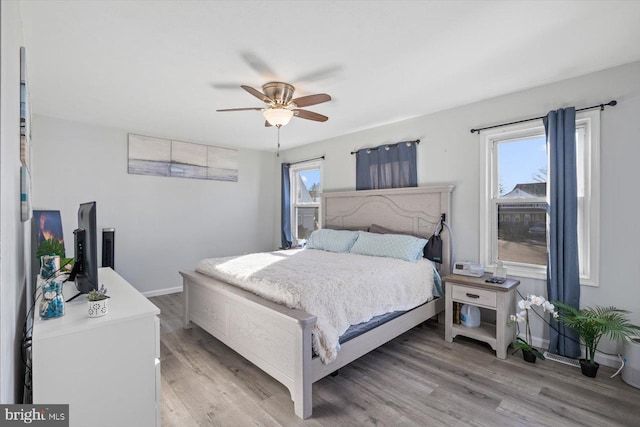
(473, 295)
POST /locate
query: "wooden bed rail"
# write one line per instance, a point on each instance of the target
(275, 338)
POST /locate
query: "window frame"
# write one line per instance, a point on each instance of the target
(588, 159)
(294, 170)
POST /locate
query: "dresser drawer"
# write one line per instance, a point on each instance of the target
(474, 296)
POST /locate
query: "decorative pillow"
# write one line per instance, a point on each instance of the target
(375, 228)
(332, 240)
(350, 228)
(408, 248)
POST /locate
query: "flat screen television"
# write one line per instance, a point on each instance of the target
(85, 267)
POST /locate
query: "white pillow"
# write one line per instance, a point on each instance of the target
(408, 248)
(332, 240)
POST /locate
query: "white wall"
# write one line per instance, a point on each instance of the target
(14, 235)
(162, 224)
(449, 153)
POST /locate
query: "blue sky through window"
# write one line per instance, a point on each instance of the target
(310, 177)
(520, 161)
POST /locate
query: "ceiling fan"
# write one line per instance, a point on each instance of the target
(281, 104)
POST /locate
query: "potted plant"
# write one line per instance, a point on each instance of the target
(98, 302)
(54, 247)
(529, 353)
(591, 324)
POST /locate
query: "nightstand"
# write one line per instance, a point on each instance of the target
(491, 296)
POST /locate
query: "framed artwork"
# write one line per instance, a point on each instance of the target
(165, 157)
(25, 194)
(25, 114)
(47, 225)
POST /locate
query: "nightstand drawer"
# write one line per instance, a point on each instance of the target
(473, 296)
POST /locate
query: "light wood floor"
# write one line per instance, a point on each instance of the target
(417, 379)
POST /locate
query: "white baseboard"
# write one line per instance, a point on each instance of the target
(603, 359)
(165, 291)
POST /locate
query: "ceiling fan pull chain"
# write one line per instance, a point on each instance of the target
(278, 152)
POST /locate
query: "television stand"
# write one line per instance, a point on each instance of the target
(72, 277)
(108, 365)
(74, 297)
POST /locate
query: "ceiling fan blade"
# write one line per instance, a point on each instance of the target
(255, 62)
(225, 85)
(305, 101)
(310, 115)
(240, 109)
(255, 92)
(321, 74)
(267, 124)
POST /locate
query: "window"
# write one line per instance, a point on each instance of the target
(513, 218)
(305, 198)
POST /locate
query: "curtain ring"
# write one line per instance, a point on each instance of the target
(386, 147)
(368, 151)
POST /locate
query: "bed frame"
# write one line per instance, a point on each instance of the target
(277, 339)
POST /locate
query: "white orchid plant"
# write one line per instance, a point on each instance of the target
(526, 305)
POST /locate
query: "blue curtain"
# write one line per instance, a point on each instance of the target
(387, 166)
(563, 274)
(285, 207)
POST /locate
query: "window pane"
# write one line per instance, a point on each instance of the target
(522, 168)
(307, 220)
(522, 233)
(308, 186)
(580, 160)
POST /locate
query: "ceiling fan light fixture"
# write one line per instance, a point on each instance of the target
(277, 116)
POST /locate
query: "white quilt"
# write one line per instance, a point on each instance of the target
(339, 289)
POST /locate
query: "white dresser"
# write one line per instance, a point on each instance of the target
(106, 368)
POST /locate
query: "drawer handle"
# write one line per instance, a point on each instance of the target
(473, 295)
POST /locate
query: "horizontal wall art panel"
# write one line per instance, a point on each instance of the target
(165, 157)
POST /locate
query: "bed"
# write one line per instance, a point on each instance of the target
(278, 339)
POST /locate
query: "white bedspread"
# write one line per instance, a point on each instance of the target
(339, 289)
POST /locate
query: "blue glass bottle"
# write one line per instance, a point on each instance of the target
(52, 302)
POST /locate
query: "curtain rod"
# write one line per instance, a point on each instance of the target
(308, 160)
(600, 106)
(417, 141)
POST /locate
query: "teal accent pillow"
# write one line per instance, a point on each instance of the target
(332, 240)
(408, 248)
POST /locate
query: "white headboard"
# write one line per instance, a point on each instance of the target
(412, 210)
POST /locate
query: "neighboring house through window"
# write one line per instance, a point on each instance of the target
(513, 216)
(306, 186)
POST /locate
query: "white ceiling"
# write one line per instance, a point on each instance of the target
(162, 68)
